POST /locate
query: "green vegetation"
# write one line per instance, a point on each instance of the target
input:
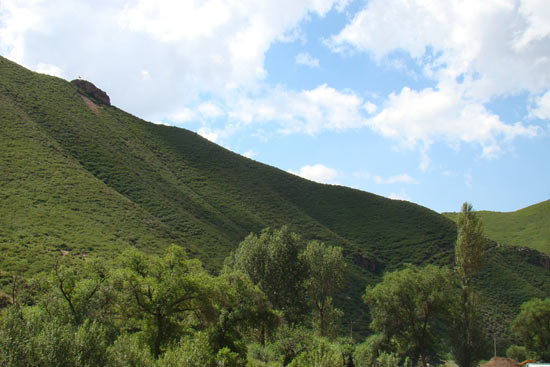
(532, 328)
(166, 310)
(467, 336)
(83, 178)
(529, 227)
(406, 307)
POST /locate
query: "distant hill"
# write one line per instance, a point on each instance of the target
(529, 227)
(78, 174)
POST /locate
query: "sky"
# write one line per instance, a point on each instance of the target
(434, 102)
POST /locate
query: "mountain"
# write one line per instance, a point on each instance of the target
(80, 175)
(527, 227)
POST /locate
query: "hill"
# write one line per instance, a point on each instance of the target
(528, 227)
(80, 175)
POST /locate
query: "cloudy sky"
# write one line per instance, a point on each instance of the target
(436, 102)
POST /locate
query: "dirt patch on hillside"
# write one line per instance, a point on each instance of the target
(92, 105)
(501, 362)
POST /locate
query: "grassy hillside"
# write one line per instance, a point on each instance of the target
(77, 175)
(528, 227)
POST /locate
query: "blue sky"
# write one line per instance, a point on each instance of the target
(428, 101)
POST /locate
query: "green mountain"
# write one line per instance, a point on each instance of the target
(80, 175)
(527, 227)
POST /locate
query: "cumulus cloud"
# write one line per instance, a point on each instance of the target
(309, 111)
(401, 195)
(495, 47)
(417, 118)
(206, 133)
(250, 154)
(203, 61)
(541, 107)
(318, 173)
(413, 119)
(49, 69)
(474, 50)
(306, 59)
(189, 48)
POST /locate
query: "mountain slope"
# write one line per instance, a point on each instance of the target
(528, 227)
(80, 175)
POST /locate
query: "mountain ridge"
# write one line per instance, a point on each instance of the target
(83, 179)
(525, 227)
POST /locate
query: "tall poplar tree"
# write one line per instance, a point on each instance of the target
(468, 340)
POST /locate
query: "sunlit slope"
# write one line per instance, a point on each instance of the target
(528, 227)
(210, 196)
(49, 202)
(91, 178)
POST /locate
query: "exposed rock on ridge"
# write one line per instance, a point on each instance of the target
(91, 91)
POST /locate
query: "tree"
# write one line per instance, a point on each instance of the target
(469, 249)
(405, 308)
(245, 310)
(532, 327)
(468, 340)
(326, 269)
(162, 293)
(82, 285)
(273, 263)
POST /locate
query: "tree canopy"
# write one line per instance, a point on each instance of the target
(406, 307)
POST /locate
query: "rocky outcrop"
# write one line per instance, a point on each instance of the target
(366, 263)
(91, 91)
(534, 257)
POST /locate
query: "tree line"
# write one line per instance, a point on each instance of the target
(271, 305)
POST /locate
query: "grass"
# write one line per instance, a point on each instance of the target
(97, 179)
(528, 227)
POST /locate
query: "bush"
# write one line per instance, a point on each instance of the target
(320, 354)
(193, 351)
(519, 353)
(128, 350)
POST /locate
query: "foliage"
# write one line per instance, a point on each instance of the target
(320, 353)
(405, 308)
(290, 341)
(33, 339)
(165, 294)
(366, 354)
(468, 339)
(528, 227)
(469, 249)
(273, 263)
(190, 352)
(519, 353)
(95, 182)
(326, 268)
(532, 327)
(128, 350)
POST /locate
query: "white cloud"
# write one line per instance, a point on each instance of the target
(402, 178)
(417, 118)
(370, 108)
(306, 59)
(49, 69)
(498, 47)
(541, 107)
(206, 133)
(308, 111)
(318, 173)
(537, 13)
(191, 48)
(250, 154)
(414, 119)
(401, 195)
